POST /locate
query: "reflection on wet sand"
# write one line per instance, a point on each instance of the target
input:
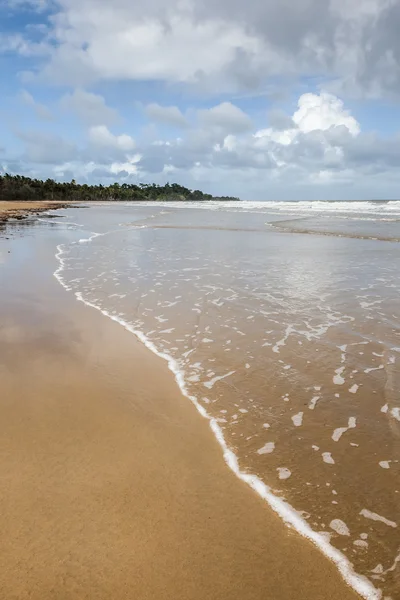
(289, 342)
(112, 487)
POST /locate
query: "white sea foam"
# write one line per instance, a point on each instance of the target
(290, 516)
(374, 369)
(385, 464)
(339, 526)
(283, 473)
(337, 434)
(212, 382)
(375, 517)
(194, 378)
(363, 210)
(378, 569)
(327, 458)
(282, 342)
(395, 412)
(298, 419)
(393, 566)
(353, 389)
(337, 378)
(267, 448)
(313, 402)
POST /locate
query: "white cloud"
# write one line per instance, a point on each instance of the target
(352, 44)
(322, 112)
(98, 170)
(128, 166)
(41, 111)
(318, 147)
(284, 137)
(279, 120)
(99, 41)
(171, 115)
(46, 148)
(90, 108)
(38, 5)
(315, 113)
(272, 151)
(19, 43)
(225, 116)
(322, 145)
(101, 136)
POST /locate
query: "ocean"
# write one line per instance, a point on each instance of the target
(280, 322)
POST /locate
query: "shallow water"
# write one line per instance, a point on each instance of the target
(289, 340)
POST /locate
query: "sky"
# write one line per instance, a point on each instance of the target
(261, 99)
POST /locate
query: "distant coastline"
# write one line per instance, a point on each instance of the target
(20, 188)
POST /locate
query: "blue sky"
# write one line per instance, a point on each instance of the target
(263, 100)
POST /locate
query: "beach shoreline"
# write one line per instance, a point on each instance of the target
(114, 486)
(20, 210)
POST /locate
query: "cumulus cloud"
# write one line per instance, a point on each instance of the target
(279, 120)
(90, 108)
(319, 146)
(322, 112)
(322, 145)
(170, 115)
(316, 113)
(97, 170)
(225, 116)
(101, 136)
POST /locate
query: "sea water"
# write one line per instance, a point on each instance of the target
(280, 321)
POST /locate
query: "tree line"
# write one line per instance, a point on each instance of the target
(18, 187)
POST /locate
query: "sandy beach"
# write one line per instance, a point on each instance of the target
(21, 209)
(113, 485)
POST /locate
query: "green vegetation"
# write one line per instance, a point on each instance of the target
(17, 187)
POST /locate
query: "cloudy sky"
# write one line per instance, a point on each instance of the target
(263, 99)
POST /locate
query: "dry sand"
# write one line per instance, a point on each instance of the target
(113, 487)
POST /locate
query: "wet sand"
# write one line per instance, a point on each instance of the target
(112, 484)
(10, 209)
